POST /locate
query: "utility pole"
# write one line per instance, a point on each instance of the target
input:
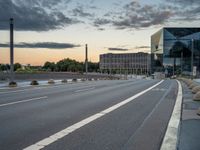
(192, 58)
(11, 50)
(86, 59)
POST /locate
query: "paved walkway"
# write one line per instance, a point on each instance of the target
(190, 122)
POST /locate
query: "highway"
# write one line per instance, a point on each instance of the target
(91, 115)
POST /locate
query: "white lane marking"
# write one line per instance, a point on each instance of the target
(41, 144)
(83, 90)
(171, 135)
(24, 101)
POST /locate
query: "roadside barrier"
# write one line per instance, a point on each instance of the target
(34, 82)
(51, 81)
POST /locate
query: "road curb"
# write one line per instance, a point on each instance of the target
(170, 140)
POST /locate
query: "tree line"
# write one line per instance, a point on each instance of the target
(65, 65)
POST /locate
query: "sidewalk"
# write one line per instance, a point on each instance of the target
(190, 122)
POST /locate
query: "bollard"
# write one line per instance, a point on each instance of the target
(51, 81)
(64, 81)
(34, 82)
(198, 112)
(74, 80)
(192, 85)
(195, 89)
(196, 97)
(12, 84)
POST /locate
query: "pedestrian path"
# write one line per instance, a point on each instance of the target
(190, 122)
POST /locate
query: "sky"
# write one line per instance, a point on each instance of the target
(51, 30)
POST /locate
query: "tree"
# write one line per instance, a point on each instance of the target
(49, 66)
(4, 67)
(17, 66)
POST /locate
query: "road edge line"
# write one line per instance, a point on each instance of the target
(55, 137)
(170, 140)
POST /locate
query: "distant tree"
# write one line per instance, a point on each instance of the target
(51, 66)
(4, 67)
(70, 65)
(17, 66)
(93, 67)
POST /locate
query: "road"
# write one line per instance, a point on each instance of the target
(123, 121)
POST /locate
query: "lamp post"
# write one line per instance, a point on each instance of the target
(181, 63)
(12, 83)
(86, 59)
(192, 58)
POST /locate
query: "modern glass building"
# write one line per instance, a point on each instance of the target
(175, 50)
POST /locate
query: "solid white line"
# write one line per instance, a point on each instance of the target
(45, 142)
(171, 135)
(24, 101)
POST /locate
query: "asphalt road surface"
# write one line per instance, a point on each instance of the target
(32, 114)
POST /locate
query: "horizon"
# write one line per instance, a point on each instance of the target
(54, 30)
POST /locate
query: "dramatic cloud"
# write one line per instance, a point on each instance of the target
(37, 15)
(185, 10)
(79, 11)
(185, 2)
(135, 15)
(49, 45)
(99, 22)
(117, 49)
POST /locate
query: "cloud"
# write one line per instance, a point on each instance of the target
(48, 45)
(185, 2)
(99, 22)
(37, 15)
(183, 10)
(79, 11)
(117, 49)
(134, 16)
(142, 47)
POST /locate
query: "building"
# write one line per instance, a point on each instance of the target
(176, 51)
(138, 63)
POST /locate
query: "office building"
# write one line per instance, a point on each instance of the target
(138, 63)
(176, 51)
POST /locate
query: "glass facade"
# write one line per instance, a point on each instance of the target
(172, 49)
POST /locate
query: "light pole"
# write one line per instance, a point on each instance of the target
(12, 83)
(86, 59)
(192, 58)
(181, 63)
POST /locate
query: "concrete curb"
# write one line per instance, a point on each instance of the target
(170, 140)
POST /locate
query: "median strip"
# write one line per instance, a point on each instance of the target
(23, 101)
(53, 138)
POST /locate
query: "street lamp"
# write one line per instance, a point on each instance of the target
(192, 58)
(12, 83)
